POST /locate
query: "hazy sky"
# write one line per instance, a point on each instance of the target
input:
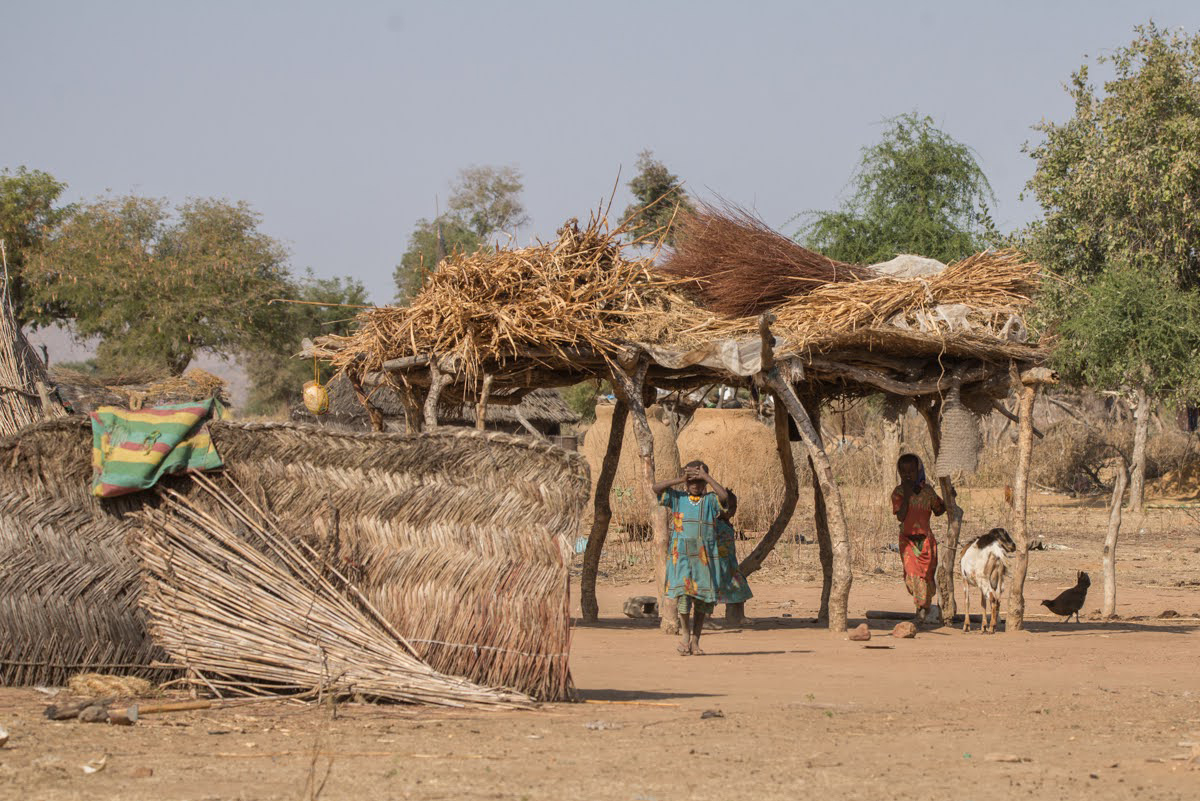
(341, 124)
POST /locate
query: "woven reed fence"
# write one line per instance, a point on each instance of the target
(69, 582)
(458, 538)
(250, 610)
(24, 388)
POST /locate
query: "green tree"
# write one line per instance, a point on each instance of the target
(430, 242)
(658, 197)
(158, 287)
(276, 376)
(917, 191)
(27, 215)
(488, 199)
(1119, 183)
(483, 201)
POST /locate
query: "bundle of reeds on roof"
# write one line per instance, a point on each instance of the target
(489, 306)
(990, 282)
(738, 266)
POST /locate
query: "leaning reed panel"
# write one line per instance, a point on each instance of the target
(458, 537)
(235, 598)
(69, 582)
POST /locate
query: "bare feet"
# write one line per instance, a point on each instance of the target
(694, 648)
(684, 649)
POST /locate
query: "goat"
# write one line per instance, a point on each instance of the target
(984, 565)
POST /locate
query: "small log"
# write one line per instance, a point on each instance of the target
(601, 514)
(72, 709)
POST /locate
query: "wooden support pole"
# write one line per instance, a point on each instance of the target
(1015, 620)
(437, 382)
(948, 552)
(631, 389)
(373, 413)
(601, 514)
(791, 494)
(839, 597)
(481, 407)
(820, 519)
(1109, 564)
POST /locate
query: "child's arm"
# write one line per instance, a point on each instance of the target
(660, 486)
(721, 493)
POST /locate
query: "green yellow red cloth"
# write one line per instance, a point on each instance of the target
(133, 449)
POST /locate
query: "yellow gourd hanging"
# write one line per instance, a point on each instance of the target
(316, 397)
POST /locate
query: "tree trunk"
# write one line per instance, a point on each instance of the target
(629, 389)
(1141, 427)
(820, 519)
(791, 493)
(1109, 607)
(893, 439)
(948, 553)
(481, 406)
(1015, 620)
(839, 596)
(602, 514)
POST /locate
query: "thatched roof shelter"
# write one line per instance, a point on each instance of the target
(736, 303)
(432, 528)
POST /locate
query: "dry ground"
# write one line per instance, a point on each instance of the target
(1093, 710)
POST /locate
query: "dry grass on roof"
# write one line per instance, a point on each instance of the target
(738, 266)
(489, 306)
(991, 283)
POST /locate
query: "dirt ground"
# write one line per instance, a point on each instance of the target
(779, 708)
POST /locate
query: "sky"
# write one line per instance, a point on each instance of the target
(342, 124)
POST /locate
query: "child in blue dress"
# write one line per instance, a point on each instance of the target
(701, 561)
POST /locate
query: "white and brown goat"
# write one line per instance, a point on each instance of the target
(984, 565)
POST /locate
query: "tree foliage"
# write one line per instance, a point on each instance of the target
(276, 376)
(159, 286)
(658, 197)
(483, 201)
(917, 191)
(488, 199)
(27, 216)
(1131, 327)
(1120, 185)
(1120, 180)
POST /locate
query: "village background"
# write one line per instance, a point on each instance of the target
(171, 172)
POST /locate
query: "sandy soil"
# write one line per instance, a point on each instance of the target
(1097, 710)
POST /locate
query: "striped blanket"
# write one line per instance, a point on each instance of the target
(131, 450)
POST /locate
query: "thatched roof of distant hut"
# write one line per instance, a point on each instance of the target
(85, 392)
(541, 406)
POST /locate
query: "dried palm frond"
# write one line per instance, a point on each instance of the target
(249, 608)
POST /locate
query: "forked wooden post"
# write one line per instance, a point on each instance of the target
(437, 382)
(601, 514)
(948, 552)
(1015, 620)
(839, 597)
(373, 414)
(481, 406)
(630, 388)
(791, 493)
(820, 518)
(1109, 564)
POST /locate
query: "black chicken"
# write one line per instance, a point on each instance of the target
(1069, 602)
